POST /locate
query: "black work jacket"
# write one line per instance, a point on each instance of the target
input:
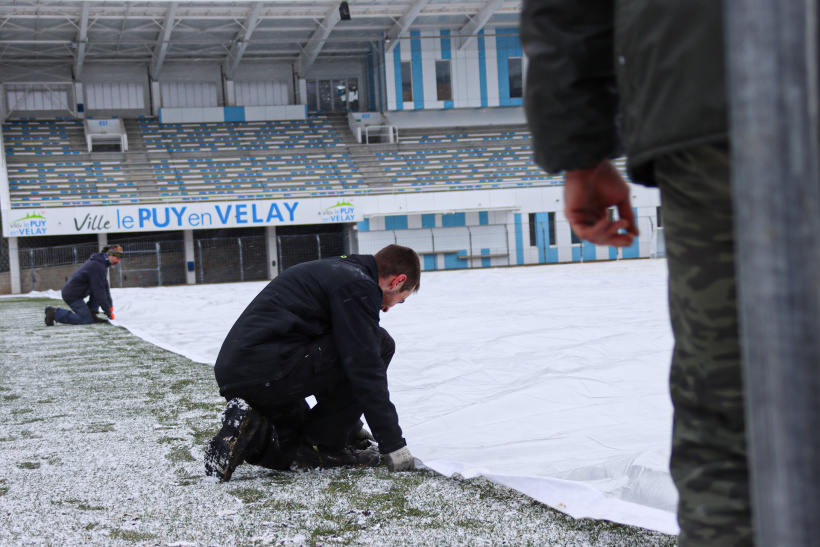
(612, 76)
(90, 279)
(339, 296)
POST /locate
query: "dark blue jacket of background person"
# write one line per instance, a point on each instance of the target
(91, 279)
(279, 329)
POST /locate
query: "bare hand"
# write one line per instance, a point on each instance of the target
(588, 194)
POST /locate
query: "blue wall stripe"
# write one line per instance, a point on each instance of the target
(446, 55)
(430, 262)
(418, 74)
(364, 225)
(485, 262)
(547, 252)
(397, 78)
(482, 68)
(613, 253)
(234, 113)
(371, 81)
(428, 220)
(397, 222)
(445, 44)
(451, 260)
(453, 219)
(483, 218)
(506, 47)
(519, 239)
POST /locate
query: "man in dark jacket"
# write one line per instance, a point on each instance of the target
(652, 74)
(91, 280)
(314, 330)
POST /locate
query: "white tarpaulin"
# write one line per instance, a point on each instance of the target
(549, 379)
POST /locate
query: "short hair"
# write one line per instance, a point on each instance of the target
(397, 260)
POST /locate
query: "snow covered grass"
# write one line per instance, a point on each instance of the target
(102, 437)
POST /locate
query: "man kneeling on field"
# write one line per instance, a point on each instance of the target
(314, 330)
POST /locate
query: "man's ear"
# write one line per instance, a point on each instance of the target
(398, 281)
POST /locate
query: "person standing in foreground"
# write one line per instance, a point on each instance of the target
(91, 280)
(314, 330)
(656, 71)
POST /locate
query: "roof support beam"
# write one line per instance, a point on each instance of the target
(469, 31)
(82, 42)
(241, 41)
(402, 26)
(317, 41)
(161, 47)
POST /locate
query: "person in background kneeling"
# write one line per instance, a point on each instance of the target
(90, 280)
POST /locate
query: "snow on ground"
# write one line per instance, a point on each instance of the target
(549, 379)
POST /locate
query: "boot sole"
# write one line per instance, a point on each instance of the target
(226, 450)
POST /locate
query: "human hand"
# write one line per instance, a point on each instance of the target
(400, 460)
(361, 439)
(588, 194)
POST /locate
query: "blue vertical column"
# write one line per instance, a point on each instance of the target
(519, 238)
(482, 68)
(446, 55)
(397, 76)
(507, 45)
(418, 72)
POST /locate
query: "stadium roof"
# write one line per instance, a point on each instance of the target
(294, 31)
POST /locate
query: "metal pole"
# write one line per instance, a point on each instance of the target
(507, 239)
(241, 261)
(159, 264)
(319, 246)
(470, 243)
(279, 250)
(773, 91)
(200, 260)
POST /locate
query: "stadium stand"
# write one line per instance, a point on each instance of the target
(49, 164)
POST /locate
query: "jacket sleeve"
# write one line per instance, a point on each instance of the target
(98, 281)
(571, 98)
(355, 315)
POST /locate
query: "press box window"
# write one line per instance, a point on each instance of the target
(444, 86)
(515, 73)
(406, 81)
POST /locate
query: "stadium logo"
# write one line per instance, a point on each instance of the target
(343, 211)
(33, 224)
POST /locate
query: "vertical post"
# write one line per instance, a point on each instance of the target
(159, 263)
(773, 90)
(241, 261)
(31, 266)
(270, 235)
(190, 259)
(14, 266)
(319, 246)
(279, 249)
(507, 238)
(470, 247)
(200, 261)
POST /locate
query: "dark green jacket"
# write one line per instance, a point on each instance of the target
(608, 77)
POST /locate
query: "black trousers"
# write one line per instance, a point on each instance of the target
(328, 424)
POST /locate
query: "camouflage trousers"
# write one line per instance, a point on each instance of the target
(709, 457)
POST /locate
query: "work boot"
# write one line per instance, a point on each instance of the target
(312, 455)
(50, 310)
(232, 444)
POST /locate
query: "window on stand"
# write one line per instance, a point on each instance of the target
(444, 86)
(515, 73)
(406, 81)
